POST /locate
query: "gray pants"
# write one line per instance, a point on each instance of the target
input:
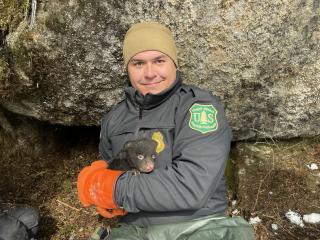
(209, 227)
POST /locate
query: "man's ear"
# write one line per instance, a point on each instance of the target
(125, 70)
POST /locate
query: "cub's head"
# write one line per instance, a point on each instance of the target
(141, 154)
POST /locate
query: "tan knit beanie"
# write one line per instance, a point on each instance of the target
(149, 36)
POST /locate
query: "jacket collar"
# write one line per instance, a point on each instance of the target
(150, 101)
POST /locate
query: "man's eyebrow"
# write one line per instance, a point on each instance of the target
(136, 60)
(159, 57)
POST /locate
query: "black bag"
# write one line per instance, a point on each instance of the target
(18, 222)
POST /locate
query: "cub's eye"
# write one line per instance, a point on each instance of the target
(153, 156)
(140, 157)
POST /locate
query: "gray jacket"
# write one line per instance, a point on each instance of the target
(193, 138)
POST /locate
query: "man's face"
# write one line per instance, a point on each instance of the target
(151, 72)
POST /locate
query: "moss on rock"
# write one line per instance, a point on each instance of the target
(12, 13)
(4, 72)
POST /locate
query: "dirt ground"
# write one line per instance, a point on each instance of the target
(45, 177)
(272, 178)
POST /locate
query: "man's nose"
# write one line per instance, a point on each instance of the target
(149, 71)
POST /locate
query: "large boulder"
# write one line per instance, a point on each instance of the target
(63, 61)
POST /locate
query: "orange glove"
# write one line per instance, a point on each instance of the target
(110, 213)
(95, 187)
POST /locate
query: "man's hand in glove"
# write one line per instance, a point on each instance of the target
(95, 186)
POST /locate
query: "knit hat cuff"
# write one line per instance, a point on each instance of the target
(149, 36)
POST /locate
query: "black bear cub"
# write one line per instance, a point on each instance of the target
(138, 155)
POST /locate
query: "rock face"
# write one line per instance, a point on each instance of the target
(62, 62)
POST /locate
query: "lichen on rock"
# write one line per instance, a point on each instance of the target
(260, 58)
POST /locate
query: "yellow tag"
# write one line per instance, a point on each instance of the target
(158, 137)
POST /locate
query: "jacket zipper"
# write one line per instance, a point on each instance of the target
(140, 112)
(141, 107)
(136, 133)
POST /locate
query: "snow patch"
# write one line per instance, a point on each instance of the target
(235, 212)
(255, 220)
(274, 227)
(295, 218)
(312, 218)
(312, 166)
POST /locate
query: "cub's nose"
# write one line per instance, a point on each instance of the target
(149, 167)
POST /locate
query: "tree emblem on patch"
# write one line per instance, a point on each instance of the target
(203, 118)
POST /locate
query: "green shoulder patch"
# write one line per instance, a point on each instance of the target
(203, 118)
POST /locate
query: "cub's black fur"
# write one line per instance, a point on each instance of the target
(138, 154)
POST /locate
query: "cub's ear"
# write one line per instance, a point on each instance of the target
(153, 143)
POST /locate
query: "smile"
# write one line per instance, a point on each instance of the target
(150, 83)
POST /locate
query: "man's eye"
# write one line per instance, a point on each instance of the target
(140, 157)
(160, 61)
(138, 64)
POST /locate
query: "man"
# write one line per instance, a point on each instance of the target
(185, 195)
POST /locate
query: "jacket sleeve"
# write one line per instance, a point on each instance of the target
(197, 169)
